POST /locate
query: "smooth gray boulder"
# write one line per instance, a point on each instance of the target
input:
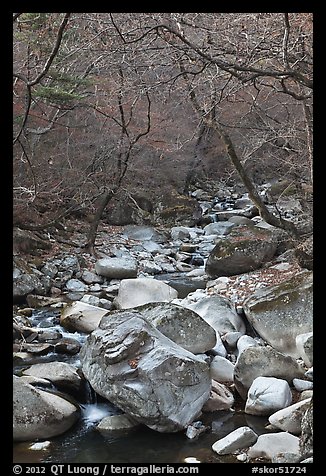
(220, 313)
(304, 343)
(262, 361)
(221, 369)
(271, 445)
(117, 268)
(279, 313)
(116, 423)
(244, 342)
(61, 374)
(149, 377)
(183, 326)
(38, 414)
(267, 395)
(236, 440)
(82, 317)
(136, 292)
(289, 418)
(244, 249)
(301, 385)
(219, 228)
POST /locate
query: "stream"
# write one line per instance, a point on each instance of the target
(84, 444)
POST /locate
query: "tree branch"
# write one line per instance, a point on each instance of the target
(54, 51)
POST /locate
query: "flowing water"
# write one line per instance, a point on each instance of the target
(84, 444)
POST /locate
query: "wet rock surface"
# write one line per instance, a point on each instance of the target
(144, 373)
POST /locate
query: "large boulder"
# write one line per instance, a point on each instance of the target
(136, 292)
(279, 313)
(117, 268)
(38, 414)
(261, 361)
(220, 313)
(152, 379)
(183, 326)
(244, 249)
(172, 208)
(61, 374)
(81, 317)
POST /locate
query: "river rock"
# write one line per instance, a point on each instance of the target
(36, 301)
(90, 299)
(271, 445)
(221, 398)
(67, 345)
(263, 362)
(138, 369)
(220, 313)
(245, 248)
(195, 429)
(50, 269)
(306, 439)
(143, 233)
(279, 313)
(38, 414)
(236, 440)
(221, 228)
(81, 317)
(149, 267)
(136, 292)
(119, 268)
(306, 394)
(24, 284)
(180, 233)
(61, 374)
(289, 418)
(304, 344)
(244, 342)
(76, 286)
(116, 423)
(67, 263)
(302, 385)
(266, 395)
(183, 326)
(91, 278)
(221, 369)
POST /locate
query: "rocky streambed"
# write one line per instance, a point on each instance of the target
(180, 344)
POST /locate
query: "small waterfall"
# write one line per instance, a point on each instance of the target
(93, 410)
(90, 394)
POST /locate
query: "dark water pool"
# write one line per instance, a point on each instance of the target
(84, 444)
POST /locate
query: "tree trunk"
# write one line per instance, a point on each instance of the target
(192, 172)
(265, 214)
(92, 232)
